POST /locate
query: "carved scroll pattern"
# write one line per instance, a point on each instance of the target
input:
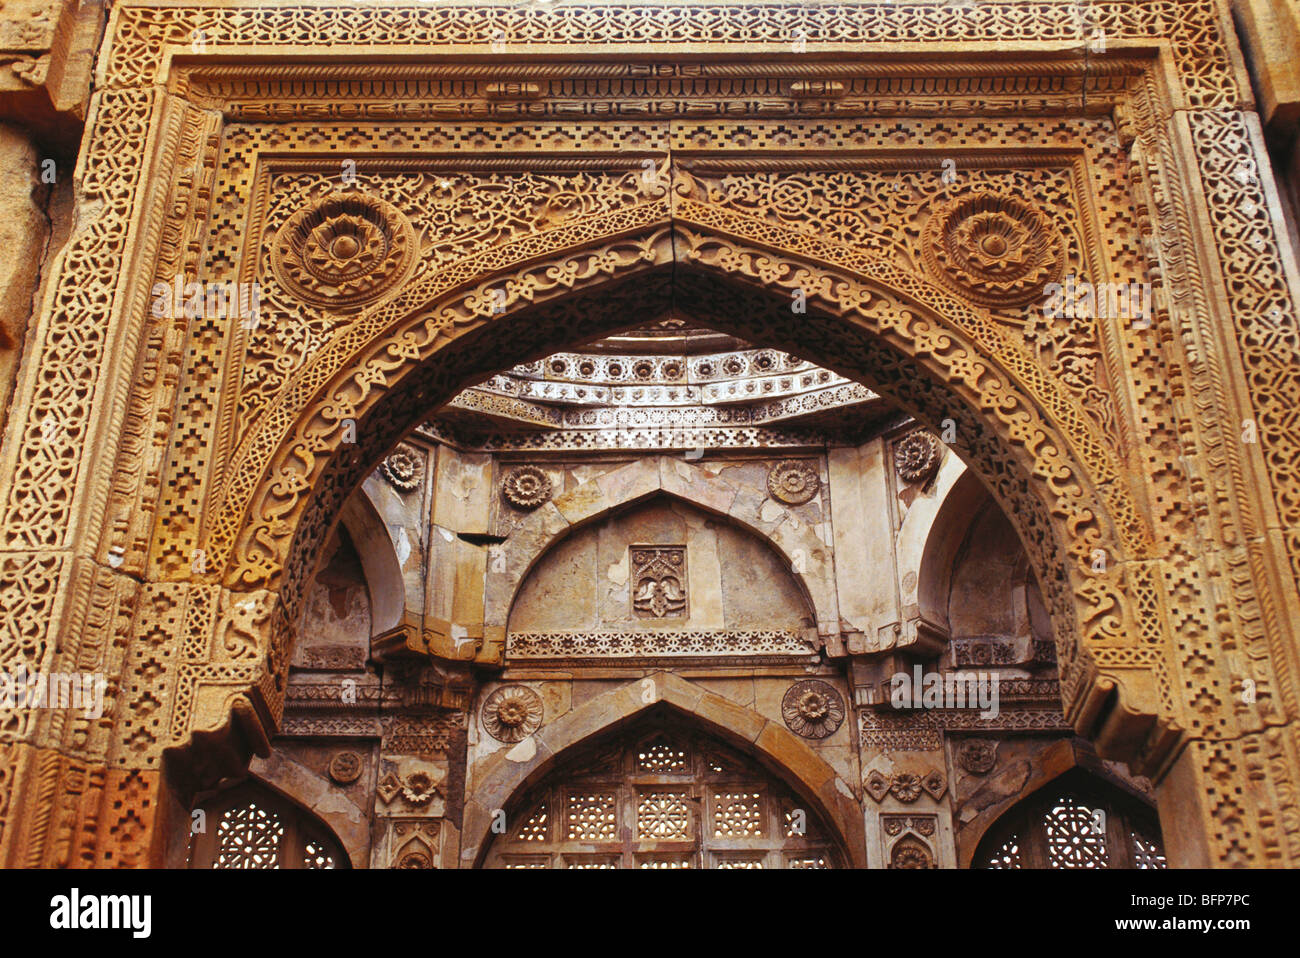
(454, 215)
(886, 211)
(1193, 27)
(67, 362)
(1265, 318)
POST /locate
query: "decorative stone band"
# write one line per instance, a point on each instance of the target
(678, 369)
(641, 410)
(639, 440)
(1199, 48)
(330, 726)
(923, 731)
(753, 647)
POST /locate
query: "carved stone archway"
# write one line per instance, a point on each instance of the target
(508, 771)
(932, 536)
(940, 358)
(796, 543)
(164, 483)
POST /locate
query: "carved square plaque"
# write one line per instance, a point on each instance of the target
(658, 582)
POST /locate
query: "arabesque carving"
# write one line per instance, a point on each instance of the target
(168, 481)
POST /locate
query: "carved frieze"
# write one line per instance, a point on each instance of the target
(766, 646)
(905, 786)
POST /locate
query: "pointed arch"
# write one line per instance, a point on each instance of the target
(514, 769)
(939, 358)
(257, 823)
(930, 539)
(379, 561)
(798, 545)
(1063, 767)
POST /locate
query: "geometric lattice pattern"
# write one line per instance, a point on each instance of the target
(315, 855)
(659, 756)
(1007, 855)
(662, 797)
(592, 816)
(249, 837)
(737, 814)
(1147, 853)
(1082, 823)
(256, 828)
(663, 815)
(534, 828)
(1074, 839)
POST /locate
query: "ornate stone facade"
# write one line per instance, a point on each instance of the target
(1072, 270)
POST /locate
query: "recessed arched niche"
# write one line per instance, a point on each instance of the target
(661, 564)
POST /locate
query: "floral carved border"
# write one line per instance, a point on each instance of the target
(1193, 29)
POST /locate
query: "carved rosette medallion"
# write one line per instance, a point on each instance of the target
(526, 487)
(404, 468)
(916, 457)
(419, 788)
(993, 249)
(414, 859)
(512, 713)
(905, 786)
(912, 853)
(792, 481)
(345, 768)
(343, 251)
(812, 709)
(977, 755)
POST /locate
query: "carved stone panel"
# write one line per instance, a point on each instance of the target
(659, 582)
